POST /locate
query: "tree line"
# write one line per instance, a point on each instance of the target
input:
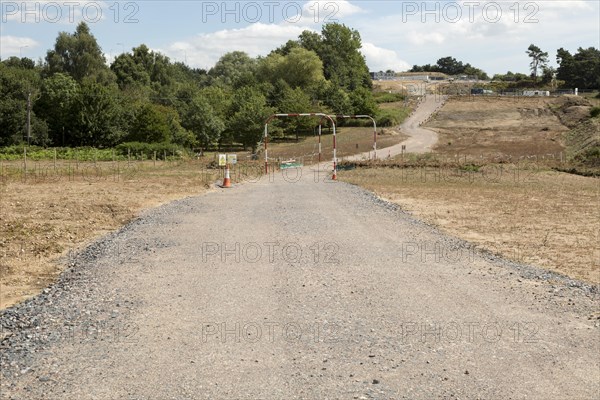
(451, 66)
(580, 70)
(142, 96)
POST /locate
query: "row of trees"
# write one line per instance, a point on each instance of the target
(78, 100)
(451, 66)
(579, 70)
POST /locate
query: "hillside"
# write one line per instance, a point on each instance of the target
(498, 127)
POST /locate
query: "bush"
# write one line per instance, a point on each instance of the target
(391, 117)
(385, 97)
(36, 153)
(594, 112)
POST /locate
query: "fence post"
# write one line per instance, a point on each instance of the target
(25, 162)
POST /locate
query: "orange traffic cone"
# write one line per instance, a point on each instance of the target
(334, 176)
(227, 179)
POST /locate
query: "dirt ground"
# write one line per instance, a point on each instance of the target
(548, 219)
(499, 127)
(49, 212)
(520, 209)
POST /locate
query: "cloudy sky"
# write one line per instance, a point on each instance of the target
(492, 35)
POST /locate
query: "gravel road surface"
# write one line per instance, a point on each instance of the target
(421, 140)
(298, 289)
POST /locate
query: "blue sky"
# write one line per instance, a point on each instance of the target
(492, 35)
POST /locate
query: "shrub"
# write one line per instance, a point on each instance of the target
(385, 97)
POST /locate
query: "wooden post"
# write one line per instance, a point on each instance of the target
(155, 158)
(25, 162)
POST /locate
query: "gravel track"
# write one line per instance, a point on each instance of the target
(331, 292)
(421, 140)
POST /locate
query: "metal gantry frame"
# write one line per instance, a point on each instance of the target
(323, 116)
(374, 129)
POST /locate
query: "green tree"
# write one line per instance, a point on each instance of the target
(200, 118)
(450, 66)
(343, 62)
(156, 123)
(300, 68)
(288, 100)
(97, 116)
(16, 83)
(57, 105)
(336, 98)
(539, 59)
(129, 73)
(566, 66)
(363, 102)
(248, 113)
(16, 62)
(235, 69)
(311, 41)
(581, 70)
(79, 55)
(151, 125)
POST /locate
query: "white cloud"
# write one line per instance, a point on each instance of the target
(204, 50)
(380, 59)
(420, 38)
(15, 46)
(565, 4)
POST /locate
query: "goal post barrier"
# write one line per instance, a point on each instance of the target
(323, 116)
(374, 129)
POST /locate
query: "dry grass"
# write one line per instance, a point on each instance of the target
(50, 211)
(350, 140)
(530, 215)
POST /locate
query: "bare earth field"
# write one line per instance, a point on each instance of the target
(529, 215)
(498, 126)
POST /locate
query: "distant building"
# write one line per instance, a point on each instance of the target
(421, 76)
(414, 78)
(383, 76)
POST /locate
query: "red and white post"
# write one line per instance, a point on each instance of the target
(303, 115)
